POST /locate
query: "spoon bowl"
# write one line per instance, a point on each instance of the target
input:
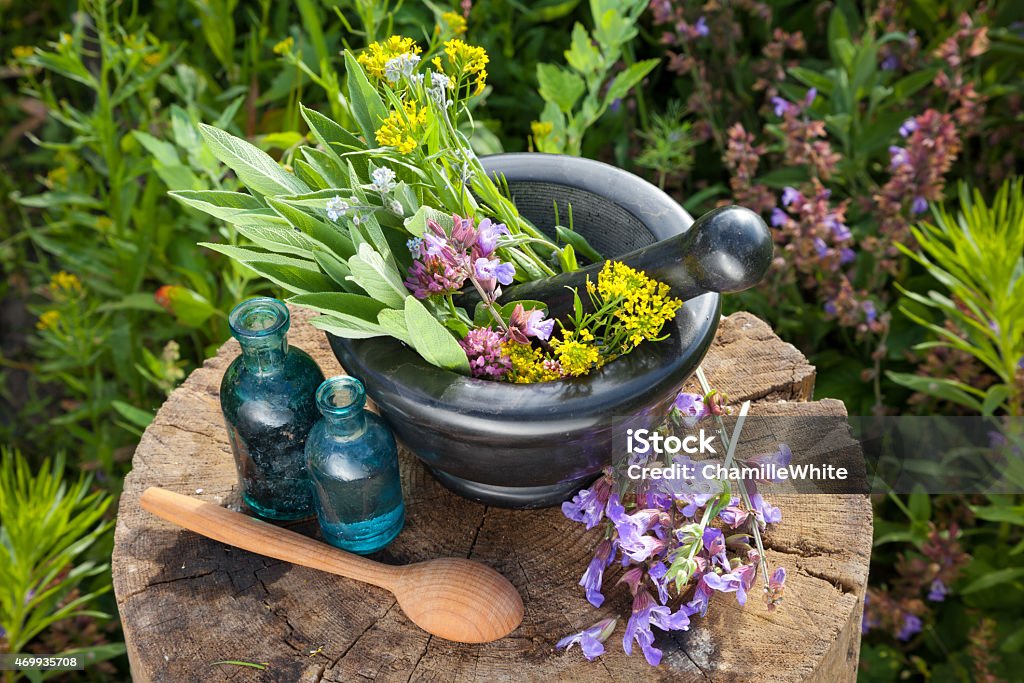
(459, 600)
(452, 598)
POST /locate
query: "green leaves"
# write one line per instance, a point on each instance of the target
(977, 256)
(46, 525)
(574, 97)
(431, 340)
(626, 80)
(560, 86)
(376, 278)
(254, 167)
(189, 307)
(367, 107)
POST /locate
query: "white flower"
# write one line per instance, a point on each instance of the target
(383, 179)
(356, 220)
(438, 92)
(402, 65)
(439, 80)
(396, 208)
(336, 206)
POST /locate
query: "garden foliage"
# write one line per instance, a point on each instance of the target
(879, 143)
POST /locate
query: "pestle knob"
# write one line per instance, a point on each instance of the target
(728, 249)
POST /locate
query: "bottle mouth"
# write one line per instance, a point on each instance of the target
(340, 395)
(259, 317)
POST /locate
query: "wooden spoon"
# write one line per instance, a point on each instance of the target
(453, 598)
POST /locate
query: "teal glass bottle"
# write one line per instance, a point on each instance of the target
(353, 462)
(268, 397)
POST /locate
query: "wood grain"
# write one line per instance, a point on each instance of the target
(453, 598)
(187, 601)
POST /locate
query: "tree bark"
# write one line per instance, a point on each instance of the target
(187, 602)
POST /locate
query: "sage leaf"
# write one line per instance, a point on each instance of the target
(431, 340)
(254, 167)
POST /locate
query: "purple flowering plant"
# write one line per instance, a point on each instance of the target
(677, 545)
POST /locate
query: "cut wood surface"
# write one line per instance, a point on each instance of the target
(188, 602)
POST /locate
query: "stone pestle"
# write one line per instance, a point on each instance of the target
(728, 249)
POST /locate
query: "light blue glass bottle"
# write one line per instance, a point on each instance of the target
(268, 400)
(353, 463)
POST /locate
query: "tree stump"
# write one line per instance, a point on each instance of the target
(187, 602)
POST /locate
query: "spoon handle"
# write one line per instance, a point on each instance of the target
(242, 531)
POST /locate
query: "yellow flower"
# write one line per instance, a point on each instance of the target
(403, 131)
(63, 283)
(23, 51)
(467, 59)
(378, 54)
(153, 58)
(576, 357)
(542, 129)
(285, 46)
(453, 23)
(645, 304)
(529, 365)
(48, 320)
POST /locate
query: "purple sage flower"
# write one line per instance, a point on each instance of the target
(701, 27)
(919, 205)
(593, 577)
(870, 313)
(789, 195)
(846, 255)
(779, 217)
(780, 106)
(776, 587)
(820, 247)
(733, 514)
(591, 640)
(658, 571)
(908, 127)
(588, 506)
(634, 540)
(780, 458)
(692, 408)
(523, 324)
(493, 269)
(840, 232)
(938, 591)
(898, 157)
(647, 613)
(811, 95)
(890, 63)
(765, 512)
(487, 233)
(714, 546)
(727, 583)
(631, 577)
(463, 233)
(911, 626)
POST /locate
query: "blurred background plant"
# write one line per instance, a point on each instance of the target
(52, 536)
(876, 142)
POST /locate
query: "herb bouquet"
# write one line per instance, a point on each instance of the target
(384, 222)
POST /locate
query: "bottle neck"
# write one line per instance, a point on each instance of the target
(345, 426)
(264, 356)
(341, 400)
(261, 327)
